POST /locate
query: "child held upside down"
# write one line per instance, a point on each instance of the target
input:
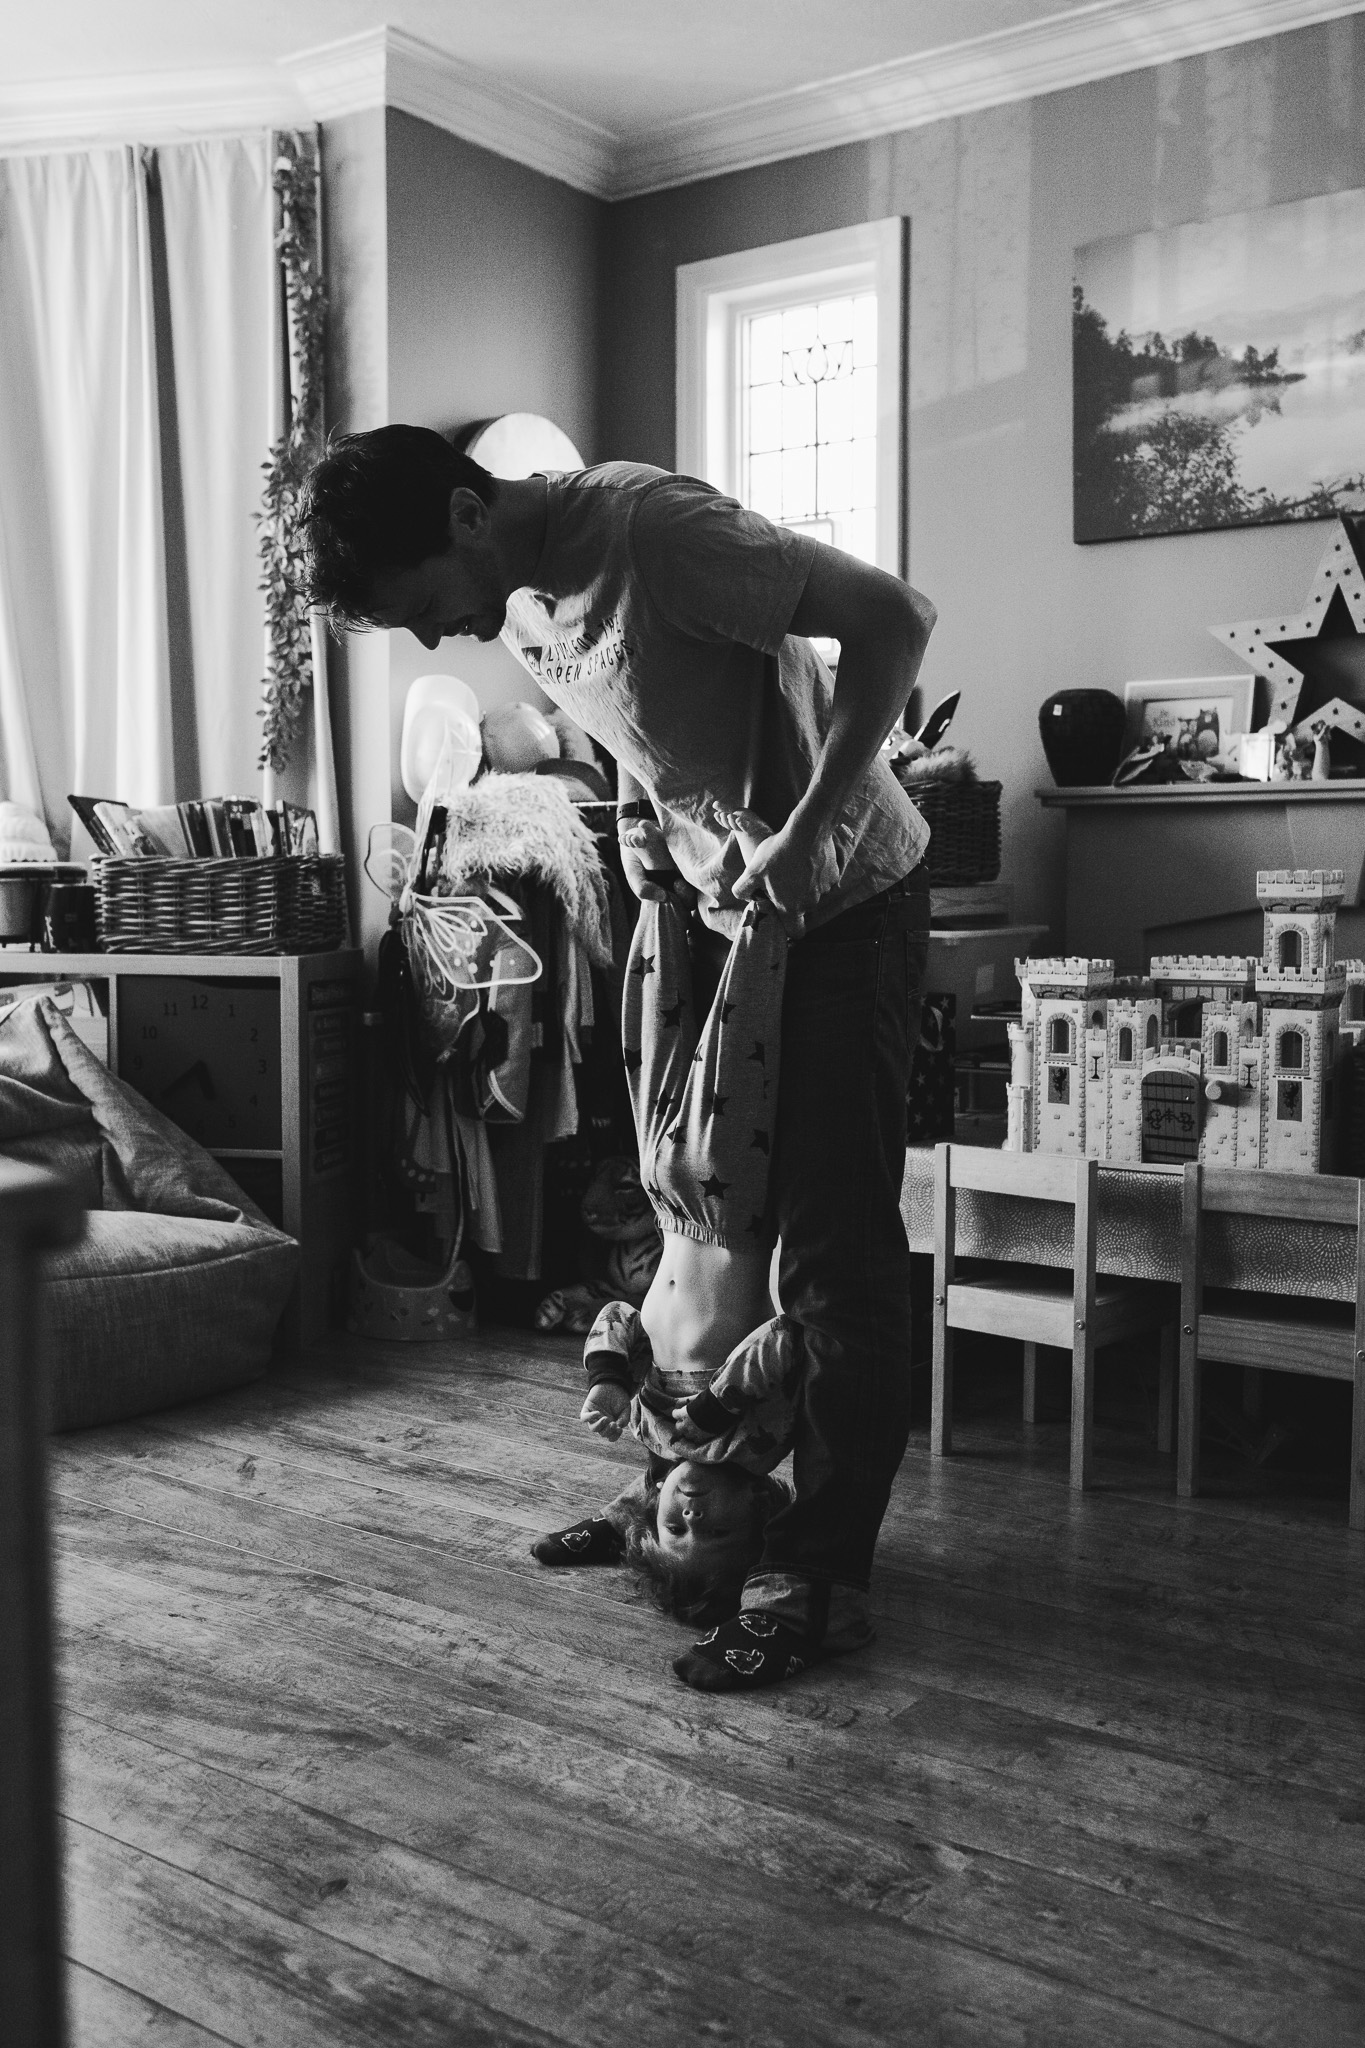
(703, 1373)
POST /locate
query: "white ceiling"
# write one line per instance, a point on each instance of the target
(624, 65)
(616, 96)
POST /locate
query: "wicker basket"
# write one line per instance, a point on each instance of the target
(294, 904)
(964, 821)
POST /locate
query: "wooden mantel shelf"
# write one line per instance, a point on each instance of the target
(1172, 868)
(1089, 795)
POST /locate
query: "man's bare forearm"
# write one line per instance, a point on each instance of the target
(882, 629)
(879, 660)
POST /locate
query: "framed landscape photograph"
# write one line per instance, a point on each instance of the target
(1218, 372)
(1202, 712)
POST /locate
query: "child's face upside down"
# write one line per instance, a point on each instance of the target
(705, 1514)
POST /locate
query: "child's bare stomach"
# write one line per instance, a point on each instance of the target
(702, 1301)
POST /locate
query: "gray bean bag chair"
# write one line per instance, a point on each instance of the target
(176, 1289)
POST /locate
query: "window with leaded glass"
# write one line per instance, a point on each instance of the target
(808, 418)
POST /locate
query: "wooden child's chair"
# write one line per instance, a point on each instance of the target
(1077, 1311)
(1325, 1340)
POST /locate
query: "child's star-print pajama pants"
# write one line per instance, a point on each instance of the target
(704, 1091)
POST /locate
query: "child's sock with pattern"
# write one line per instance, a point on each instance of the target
(752, 1650)
(596, 1541)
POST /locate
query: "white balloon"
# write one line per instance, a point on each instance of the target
(518, 737)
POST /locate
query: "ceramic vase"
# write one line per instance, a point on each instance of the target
(1082, 733)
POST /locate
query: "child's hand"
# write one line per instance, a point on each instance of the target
(685, 1430)
(606, 1409)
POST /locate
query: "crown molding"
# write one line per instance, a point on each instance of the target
(382, 67)
(387, 67)
(148, 106)
(481, 109)
(345, 77)
(1101, 40)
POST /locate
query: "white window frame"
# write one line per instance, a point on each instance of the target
(715, 295)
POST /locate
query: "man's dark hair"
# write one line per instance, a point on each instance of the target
(379, 501)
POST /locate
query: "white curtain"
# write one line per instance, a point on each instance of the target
(143, 375)
(84, 662)
(218, 211)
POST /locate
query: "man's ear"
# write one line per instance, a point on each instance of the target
(468, 513)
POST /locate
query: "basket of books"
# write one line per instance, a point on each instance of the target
(221, 876)
(278, 903)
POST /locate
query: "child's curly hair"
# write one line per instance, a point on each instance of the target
(690, 1593)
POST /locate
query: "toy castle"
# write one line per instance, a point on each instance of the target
(1215, 1057)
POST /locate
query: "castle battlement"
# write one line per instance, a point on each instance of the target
(1068, 974)
(1284, 989)
(1127, 1006)
(1175, 1052)
(1300, 888)
(1226, 969)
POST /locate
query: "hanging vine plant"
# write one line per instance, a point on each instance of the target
(289, 645)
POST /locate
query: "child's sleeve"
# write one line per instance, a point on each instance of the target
(765, 1362)
(617, 1348)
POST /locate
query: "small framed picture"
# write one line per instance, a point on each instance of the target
(1194, 715)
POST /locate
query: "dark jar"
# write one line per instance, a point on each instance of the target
(1082, 734)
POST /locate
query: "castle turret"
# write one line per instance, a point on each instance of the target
(1063, 996)
(1301, 985)
(1019, 1095)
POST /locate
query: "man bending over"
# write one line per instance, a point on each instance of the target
(674, 626)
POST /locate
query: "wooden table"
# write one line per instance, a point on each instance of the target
(36, 1211)
(1139, 1234)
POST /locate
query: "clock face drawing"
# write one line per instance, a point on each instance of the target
(207, 1054)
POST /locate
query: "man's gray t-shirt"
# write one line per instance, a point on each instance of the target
(657, 618)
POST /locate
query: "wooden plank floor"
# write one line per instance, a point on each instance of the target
(342, 1765)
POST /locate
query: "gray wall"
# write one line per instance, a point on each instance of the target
(461, 285)
(493, 275)
(997, 203)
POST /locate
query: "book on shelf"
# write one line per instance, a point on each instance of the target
(197, 828)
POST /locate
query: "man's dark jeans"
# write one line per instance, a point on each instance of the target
(850, 1020)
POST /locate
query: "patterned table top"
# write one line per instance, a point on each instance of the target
(1139, 1234)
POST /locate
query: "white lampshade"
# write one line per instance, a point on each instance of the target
(436, 705)
(517, 444)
